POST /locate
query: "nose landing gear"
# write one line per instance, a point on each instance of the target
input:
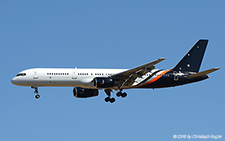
(37, 96)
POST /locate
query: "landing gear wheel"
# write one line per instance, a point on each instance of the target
(123, 95)
(107, 99)
(37, 96)
(118, 94)
(112, 100)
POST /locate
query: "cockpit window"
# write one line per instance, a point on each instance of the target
(21, 74)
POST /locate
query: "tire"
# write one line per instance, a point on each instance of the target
(37, 96)
(118, 94)
(112, 100)
(123, 95)
(107, 99)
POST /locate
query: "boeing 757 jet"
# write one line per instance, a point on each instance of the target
(87, 82)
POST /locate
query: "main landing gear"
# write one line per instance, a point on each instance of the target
(123, 95)
(37, 96)
(111, 100)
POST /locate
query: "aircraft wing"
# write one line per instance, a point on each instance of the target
(128, 77)
(203, 73)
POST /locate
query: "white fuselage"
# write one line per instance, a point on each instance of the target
(65, 77)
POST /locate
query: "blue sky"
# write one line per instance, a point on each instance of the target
(110, 34)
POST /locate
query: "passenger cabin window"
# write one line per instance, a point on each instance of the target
(82, 73)
(57, 73)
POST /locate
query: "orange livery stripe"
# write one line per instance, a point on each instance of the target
(155, 79)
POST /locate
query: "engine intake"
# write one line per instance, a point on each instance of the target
(103, 82)
(84, 93)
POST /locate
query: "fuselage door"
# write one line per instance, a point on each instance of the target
(74, 76)
(175, 76)
(35, 75)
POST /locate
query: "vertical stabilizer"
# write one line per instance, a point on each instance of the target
(191, 62)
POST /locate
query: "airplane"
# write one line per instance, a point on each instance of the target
(87, 82)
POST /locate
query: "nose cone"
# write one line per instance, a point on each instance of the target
(14, 81)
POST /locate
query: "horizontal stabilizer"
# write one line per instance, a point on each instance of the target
(203, 73)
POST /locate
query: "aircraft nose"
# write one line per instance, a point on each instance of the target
(14, 81)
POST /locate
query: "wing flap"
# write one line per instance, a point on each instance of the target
(203, 73)
(138, 70)
(128, 77)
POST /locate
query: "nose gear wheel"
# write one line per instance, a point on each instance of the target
(37, 96)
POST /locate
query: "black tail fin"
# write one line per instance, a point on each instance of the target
(193, 59)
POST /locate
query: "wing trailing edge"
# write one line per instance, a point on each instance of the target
(128, 77)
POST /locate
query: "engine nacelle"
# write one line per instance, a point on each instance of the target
(103, 82)
(84, 93)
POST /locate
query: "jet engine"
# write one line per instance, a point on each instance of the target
(84, 93)
(104, 82)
